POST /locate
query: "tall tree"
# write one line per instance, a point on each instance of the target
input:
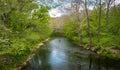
(109, 2)
(88, 22)
(99, 22)
(78, 17)
(8, 6)
(107, 11)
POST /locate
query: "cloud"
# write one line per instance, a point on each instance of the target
(61, 10)
(117, 2)
(64, 8)
(55, 13)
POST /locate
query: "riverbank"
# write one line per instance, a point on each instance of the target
(24, 60)
(33, 52)
(107, 52)
(61, 53)
(10, 62)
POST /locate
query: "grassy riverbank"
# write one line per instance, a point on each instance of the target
(105, 52)
(17, 55)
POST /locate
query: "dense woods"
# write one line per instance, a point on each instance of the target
(23, 24)
(98, 28)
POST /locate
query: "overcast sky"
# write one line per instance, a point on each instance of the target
(63, 7)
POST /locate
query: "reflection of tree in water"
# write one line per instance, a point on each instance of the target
(106, 64)
(99, 63)
(90, 65)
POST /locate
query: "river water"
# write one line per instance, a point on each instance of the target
(62, 54)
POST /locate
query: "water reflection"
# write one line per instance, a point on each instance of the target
(99, 63)
(90, 65)
(58, 57)
(62, 54)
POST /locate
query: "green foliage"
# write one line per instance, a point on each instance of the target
(114, 25)
(114, 20)
(109, 35)
(18, 21)
(70, 28)
(23, 24)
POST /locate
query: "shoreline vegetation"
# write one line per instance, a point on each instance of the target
(106, 52)
(95, 29)
(23, 24)
(33, 53)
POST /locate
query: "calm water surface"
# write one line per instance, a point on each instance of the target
(62, 54)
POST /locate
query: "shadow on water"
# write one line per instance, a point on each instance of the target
(62, 54)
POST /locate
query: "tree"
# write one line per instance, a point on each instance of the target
(109, 2)
(114, 25)
(78, 19)
(8, 6)
(88, 22)
(99, 22)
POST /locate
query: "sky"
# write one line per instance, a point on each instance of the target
(63, 7)
(59, 7)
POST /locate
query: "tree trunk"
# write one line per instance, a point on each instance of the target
(79, 28)
(80, 33)
(89, 28)
(78, 21)
(6, 18)
(107, 12)
(99, 23)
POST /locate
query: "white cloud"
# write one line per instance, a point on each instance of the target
(61, 10)
(117, 2)
(55, 13)
(65, 8)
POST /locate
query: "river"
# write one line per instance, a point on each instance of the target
(62, 54)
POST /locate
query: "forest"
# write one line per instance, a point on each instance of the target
(25, 23)
(96, 29)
